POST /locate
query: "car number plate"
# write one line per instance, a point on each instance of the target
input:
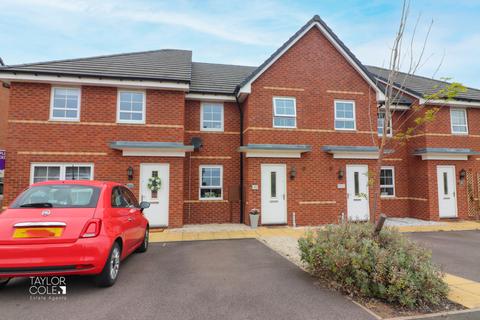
(37, 232)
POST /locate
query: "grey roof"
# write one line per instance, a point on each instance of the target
(421, 86)
(445, 150)
(315, 18)
(167, 64)
(277, 147)
(332, 149)
(217, 78)
(119, 145)
(401, 98)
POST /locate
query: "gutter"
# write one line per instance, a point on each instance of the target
(241, 158)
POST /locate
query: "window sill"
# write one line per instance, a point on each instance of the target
(130, 122)
(210, 199)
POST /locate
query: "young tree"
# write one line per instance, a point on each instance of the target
(419, 114)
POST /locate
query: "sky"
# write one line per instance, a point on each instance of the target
(241, 31)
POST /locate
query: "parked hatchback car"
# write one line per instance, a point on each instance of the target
(71, 228)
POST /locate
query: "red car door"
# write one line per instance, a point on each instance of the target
(124, 216)
(135, 216)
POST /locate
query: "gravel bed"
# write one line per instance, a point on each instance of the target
(407, 222)
(285, 246)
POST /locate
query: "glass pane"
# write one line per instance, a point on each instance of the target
(339, 124)
(284, 122)
(210, 193)
(72, 103)
(125, 106)
(60, 196)
(273, 184)
(125, 96)
(60, 93)
(84, 173)
(71, 113)
(349, 124)
(137, 106)
(356, 183)
(59, 113)
(137, 97)
(125, 116)
(445, 183)
(53, 173)
(40, 172)
(137, 116)
(58, 103)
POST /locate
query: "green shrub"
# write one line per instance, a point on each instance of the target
(387, 267)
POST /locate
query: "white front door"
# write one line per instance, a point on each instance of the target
(274, 194)
(358, 208)
(157, 214)
(447, 195)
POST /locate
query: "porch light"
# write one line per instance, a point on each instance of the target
(130, 173)
(463, 174)
(340, 174)
(293, 172)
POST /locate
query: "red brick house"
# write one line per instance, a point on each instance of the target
(293, 137)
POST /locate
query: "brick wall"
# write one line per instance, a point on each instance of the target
(32, 138)
(219, 148)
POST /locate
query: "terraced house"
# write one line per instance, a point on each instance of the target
(206, 143)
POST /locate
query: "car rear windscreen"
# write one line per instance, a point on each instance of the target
(58, 196)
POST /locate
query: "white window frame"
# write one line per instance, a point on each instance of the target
(389, 126)
(144, 108)
(210, 187)
(464, 110)
(282, 115)
(62, 165)
(202, 105)
(388, 186)
(344, 119)
(79, 104)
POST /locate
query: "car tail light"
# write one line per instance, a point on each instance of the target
(91, 229)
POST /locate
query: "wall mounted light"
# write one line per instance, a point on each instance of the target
(293, 172)
(462, 174)
(130, 173)
(340, 174)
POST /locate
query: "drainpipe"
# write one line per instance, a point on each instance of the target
(240, 111)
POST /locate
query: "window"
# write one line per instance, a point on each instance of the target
(60, 171)
(458, 119)
(118, 199)
(345, 115)
(380, 122)
(65, 104)
(284, 113)
(387, 182)
(273, 184)
(58, 196)
(211, 118)
(131, 107)
(211, 182)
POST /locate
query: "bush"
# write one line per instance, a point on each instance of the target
(387, 267)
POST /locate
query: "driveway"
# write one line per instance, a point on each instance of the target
(226, 279)
(458, 252)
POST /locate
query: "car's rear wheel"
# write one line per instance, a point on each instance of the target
(144, 246)
(4, 282)
(112, 268)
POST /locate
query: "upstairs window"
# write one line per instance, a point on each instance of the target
(211, 182)
(458, 119)
(345, 115)
(284, 113)
(211, 117)
(65, 104)
(381, 121)
(131, 107)
(387, 182)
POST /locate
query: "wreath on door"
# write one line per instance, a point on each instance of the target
(154, 183)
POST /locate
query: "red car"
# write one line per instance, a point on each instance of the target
(71, 228)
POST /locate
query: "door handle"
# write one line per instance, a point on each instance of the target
(130, 219)
(283, 196)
